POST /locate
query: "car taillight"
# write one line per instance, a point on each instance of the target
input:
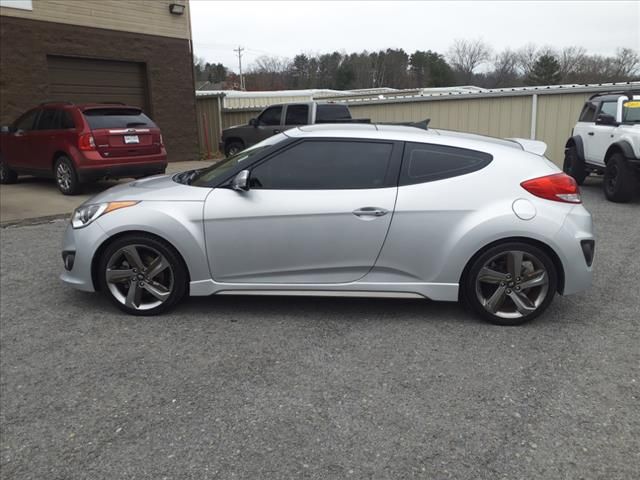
(86, 142)
(559, 187)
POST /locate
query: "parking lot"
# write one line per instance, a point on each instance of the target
(259, 387)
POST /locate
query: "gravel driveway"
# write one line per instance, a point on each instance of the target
(295, 388)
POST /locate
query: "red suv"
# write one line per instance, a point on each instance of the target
(80, 143)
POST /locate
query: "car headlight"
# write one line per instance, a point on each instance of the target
(85, 214)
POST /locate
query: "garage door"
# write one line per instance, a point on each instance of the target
(82, 80)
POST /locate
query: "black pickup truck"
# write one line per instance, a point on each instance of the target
(278, 118)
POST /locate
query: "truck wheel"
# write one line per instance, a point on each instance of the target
(6, 174)
(232, 148)
(619, 180)
(66, 176)
(574, 165)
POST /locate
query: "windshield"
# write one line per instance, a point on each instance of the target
(116, 118)
(208, 176)
(631, 111)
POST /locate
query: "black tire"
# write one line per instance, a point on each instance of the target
(144, 243)
(7, 175)
(66, 176)
(574, 165)
(619, 180)
(233, 147)
(470, 291)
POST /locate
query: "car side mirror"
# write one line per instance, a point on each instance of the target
(605, 119)
(240, 182)
(5, 129)
(253, 122)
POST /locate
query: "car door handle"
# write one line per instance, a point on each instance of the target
(590, 133)
(370, 212)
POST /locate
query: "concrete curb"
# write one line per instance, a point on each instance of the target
(23, 222)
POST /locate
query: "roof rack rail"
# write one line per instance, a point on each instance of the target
(629, 93)
(112, 103)
(423, 124)
(47, 102)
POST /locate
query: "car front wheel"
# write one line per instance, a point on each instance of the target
(233, 148)
(619, 180)
(142, 275)
(6, 174)
(574, 165)
(510, 283)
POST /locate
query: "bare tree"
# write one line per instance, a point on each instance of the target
(626, 64)
(467, 55)
(505, 68)
(571, 60)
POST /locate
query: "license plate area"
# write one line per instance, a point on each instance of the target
(129, 139)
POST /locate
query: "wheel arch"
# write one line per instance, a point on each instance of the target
(95, 261)
(57, 154)
(576, 141)
(557, 263)
(229, 140)
(619, 147)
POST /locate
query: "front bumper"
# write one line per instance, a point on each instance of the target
(82, 243)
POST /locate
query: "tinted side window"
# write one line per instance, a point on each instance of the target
(325, 165)
(48, 120)
(66, 121)
(588, 112)
(271, 116)
(332, 113)
(26, 121)
(426, 163)
(297, 115)
(609, 108)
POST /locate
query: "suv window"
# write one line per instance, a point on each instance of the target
(117, 118)
(297, 115)
(588, 112)
(66, 121)
(609, 108)
(271, 116)
(325, 165)
(26, 121)
(332, 113)
(48, 120)
(427, 163)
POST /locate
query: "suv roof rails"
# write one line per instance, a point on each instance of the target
(423, 124)
(629, 93)
(48, 102)
(111, 103)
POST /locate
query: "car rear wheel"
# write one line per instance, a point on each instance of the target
(619, 180)
(510, 284)
(142, 275)
(232, 148)
(6, 174)
(574, 165)
(66, 176)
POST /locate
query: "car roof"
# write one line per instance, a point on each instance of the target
(402, 133)
(84, 106)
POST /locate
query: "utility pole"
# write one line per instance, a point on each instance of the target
(240, 50)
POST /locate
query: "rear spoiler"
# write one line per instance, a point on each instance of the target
(532, 146)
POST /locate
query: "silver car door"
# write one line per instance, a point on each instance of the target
(288, 228)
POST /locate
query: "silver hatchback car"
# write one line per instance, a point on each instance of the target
(344, 210)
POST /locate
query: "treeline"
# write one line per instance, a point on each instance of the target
(465, 63)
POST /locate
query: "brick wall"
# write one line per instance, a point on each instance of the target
(25, 44)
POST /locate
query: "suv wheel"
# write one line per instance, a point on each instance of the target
(510, 284)
(142, 275)
(619, 180)
(6, 174)
(66, 176)
(232, 148)
(574, 165)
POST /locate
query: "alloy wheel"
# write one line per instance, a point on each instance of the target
(139, 277)
(64, 176)
(512, 284)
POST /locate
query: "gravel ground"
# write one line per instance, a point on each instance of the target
(257, 387)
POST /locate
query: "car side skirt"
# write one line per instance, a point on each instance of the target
(431, 291)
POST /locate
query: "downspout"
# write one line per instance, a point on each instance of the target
(534, 115)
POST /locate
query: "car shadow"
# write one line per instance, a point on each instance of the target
(42, 184)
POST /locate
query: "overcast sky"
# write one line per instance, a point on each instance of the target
(288, 28)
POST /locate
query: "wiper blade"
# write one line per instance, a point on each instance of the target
(136, 124)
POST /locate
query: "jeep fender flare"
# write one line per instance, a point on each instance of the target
(623, 146)
(577, 141)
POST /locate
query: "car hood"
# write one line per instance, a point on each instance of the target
(159, 188)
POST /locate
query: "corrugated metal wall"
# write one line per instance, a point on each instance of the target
(497, 116)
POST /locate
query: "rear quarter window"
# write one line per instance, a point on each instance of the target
(117, 118)
(427, 163)
(332, 113)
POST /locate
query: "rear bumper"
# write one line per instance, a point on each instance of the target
(576, 231)
(87, 174)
